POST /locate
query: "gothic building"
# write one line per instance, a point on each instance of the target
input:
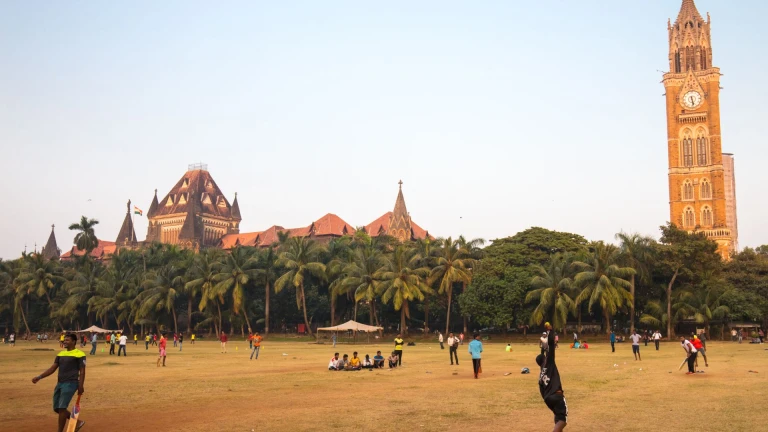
(699, 198)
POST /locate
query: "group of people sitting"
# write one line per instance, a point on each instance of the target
(345, 363)
(580, 344)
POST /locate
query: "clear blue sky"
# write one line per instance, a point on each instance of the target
(497, 115)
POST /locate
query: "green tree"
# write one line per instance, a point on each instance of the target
(41, 277)
(473, 249)
(603, 281)
(266, 274)
(300, 259)
(161, 288)
(235, 272)
(552, 287)
(85, 239)
(202, 279)
(451, 265)
(403, 281)
(636, 252)
(360, 277)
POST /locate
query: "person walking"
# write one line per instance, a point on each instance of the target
(760, 334)
(549, 383)
(12, 339)
(690, 352)
(181, 340)
(453, 344)
(135, 339)
(146, 342)
(122, 341)
(71, 378)
(636, 345)
(440, 339)
(645, 337)
(223, 340)
(399, 349)
(250, 340)
(733, 335)
(613, 341)
(741, 335)
(161, 350)
(94, 339)
(175, 340)
(656, 338)
(461, 338)
(476, 351)
(256, 345)
(333, 338)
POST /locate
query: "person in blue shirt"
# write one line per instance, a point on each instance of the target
(613, 341)
(476, 350)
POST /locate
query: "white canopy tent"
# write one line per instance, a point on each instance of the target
(352, 326)
(94, 329)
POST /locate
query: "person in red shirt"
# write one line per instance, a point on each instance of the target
(161, 348)
(223, 340)
(700, 348)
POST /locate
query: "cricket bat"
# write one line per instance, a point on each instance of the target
(73, 418)
(682, 364)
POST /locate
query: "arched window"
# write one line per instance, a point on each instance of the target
(706, 189)
(701, 148)
(687, 149)
(703, 58)
(706, 216)
(689, 219)
(687, 190)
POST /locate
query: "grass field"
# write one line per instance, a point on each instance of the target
(204, 390)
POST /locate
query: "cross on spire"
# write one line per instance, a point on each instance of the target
(400, 183)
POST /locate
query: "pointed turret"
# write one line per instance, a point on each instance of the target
(51, 249)
(153, 206)
(689, 40)
(127, 235)
(400, 221)
(236, 210)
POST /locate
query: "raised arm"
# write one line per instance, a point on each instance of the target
(48, 372)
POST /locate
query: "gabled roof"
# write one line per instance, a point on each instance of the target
(381, 224)
(127, 234)
(51, 249)
(196, 191)
(330, 224)
(246, 239)
(103, 250)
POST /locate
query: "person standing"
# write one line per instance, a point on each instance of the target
(161, 350)
(741, 335)
(700, 349)
(399, 349)
(94, 339)
(733, 335)
(146, 342)
(440, 339)
(223, 340)
(461, 338)
(333, 338)
(181, 340)
(476, 351)
(192, 338)
(154, 339)
(175, 340)
(575, 337)
(135, 339)
(645, 337)
(613, 341)
(12, 339)
(453, 344)
(760, 334)
(122, 341)
(112, 339)
(61, 340)
(256, 345)
(549, 383)
(636, 345)
(71, 365)
(656, 338)
(250, 340)
(690, 352)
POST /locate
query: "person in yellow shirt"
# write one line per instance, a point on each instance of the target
(399, 349)
(146, 342)
(61, 341)
(193, 338)
(135, 340)
(354, 362)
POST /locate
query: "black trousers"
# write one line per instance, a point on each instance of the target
(399, 357)
(656, 341)
(691, 362)
(121, 349)
(613, 347)
(476, 366)
(452, 354)
(111, 348)
(441, 346)
(646, 342)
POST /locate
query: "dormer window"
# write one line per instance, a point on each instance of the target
(209, 184)
(221, 202)
(186, 183)
(169, 202)
(205, 198)
(183, 198)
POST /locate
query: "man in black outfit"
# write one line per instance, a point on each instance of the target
(549, 383)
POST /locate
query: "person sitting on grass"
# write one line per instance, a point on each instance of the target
(334, 363)
(378, 360)
(367, 362)
(585, 345)
(393, 360)
(576, 345)
(343, 362)
(354, 363)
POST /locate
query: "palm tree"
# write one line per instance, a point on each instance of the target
(451, 266)
(82, 284)
(203, 279)
(635, 253)
(473, 249)
(300, 259)
(403, 281)
(9, 273)
(235, 272)
(266, 273)
(360, 277)
(161, 288)
(41, 277)
(708, 300)
(603, 281)
(551, 287)
(86, 237)
(336, 256)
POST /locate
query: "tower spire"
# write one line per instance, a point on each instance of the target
(400, 221)
(51, 249)
(127, 235)
(689, 40)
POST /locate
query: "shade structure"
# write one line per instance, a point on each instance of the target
(94, 329)
(352, 325)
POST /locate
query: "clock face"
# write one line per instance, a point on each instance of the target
(692, 99)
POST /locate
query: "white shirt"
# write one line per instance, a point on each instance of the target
(440, 337)
(656, 336)
(688, 346)
(452, 341)
(123, 338)
(368, 362)
(333, 363)
(635, 339)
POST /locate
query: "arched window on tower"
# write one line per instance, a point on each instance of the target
(701, 148)
(703, 58)
(687, 190)
(706, 189)
(689, 219)
(687, 149)
(706, 216)
(690, 57)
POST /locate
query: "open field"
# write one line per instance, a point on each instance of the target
(204, 390)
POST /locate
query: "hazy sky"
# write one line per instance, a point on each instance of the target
(497, 115)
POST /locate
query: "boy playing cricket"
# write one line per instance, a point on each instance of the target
(549, 382)
(71, 366)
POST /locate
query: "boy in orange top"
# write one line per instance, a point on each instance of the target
(161, 348)
(256, 340)
(700, 348)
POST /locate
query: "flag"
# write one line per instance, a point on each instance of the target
(137, 211)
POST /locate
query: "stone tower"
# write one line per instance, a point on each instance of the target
(51, 249)
(194, 213)
(697, 195)
(126, 238)
(400, 220)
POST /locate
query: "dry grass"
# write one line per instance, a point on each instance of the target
(204, 390)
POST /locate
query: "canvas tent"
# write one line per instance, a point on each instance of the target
(94, 329)
(352, 327)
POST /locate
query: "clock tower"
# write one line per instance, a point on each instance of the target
(697, 193)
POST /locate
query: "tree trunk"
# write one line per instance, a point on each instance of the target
(632, 306)
(304, 309)
(670, 332)
(355, 312)
(24, 318)
(247, 320)
(448, 314)
(578, 314)
(333, 309)
(220, 328)
(370, 311)
(189, 314)
(426, 317)
(266, 310)
(607, 316)
(463, 290)
(465, 325)
(175, 326)
(402, 319)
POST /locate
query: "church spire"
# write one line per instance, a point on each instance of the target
(153, 206)
(400, 221)
(236, 210)
(51, 249)
(127, 235)
(689, 40)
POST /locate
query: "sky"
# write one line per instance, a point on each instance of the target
(496, 115)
